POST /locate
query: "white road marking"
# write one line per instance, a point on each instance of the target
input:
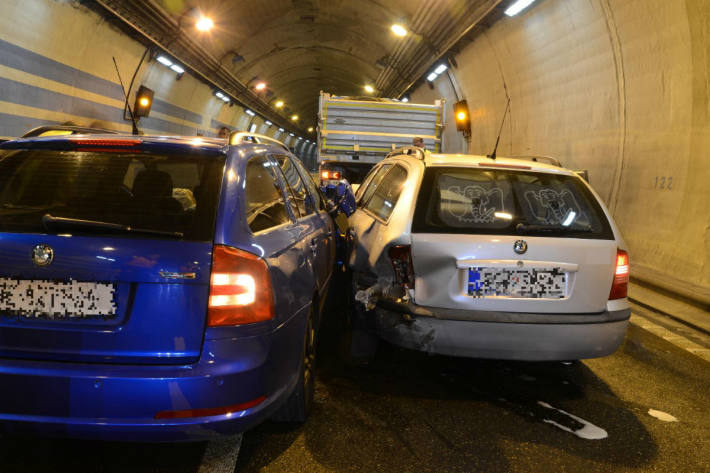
(589, 431)
(671, 337)
(660, 415)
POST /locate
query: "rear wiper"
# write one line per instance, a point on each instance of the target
(49, 221)
(528, 227)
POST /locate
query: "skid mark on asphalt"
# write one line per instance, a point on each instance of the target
(671, 337)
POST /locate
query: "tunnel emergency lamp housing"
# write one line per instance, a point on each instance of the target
(518, 6)
(144, 100)
(463, 119)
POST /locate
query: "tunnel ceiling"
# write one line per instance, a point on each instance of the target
(300, 47)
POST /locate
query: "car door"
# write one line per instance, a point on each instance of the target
(325, 255)
(309, 227)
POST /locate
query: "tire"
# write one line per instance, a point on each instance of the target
(300, 402)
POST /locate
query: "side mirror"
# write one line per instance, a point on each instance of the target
(340, 197)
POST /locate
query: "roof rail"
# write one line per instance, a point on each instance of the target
(239, 137)
(416, 151)
(47, 130)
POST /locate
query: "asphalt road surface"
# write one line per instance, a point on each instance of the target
(413, 412)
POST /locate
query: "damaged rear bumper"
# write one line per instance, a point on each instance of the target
(501, 335)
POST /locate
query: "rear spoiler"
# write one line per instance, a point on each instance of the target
(47, 130)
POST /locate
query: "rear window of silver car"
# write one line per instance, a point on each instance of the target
(506, 202)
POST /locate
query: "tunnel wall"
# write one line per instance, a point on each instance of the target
(620, 88)
(56, 66)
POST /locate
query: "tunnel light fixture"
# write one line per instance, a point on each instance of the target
(294, 118)
(441, 68)
(249, 112)
(177, 68)
(164, 61)
(279, 104)
(518, 6)
(404, 99)
(291, 134)
(260, 86)
(268, 123)
(369, 89)
(222, 96)
(281, 130)
(310, 129)
(204, 24)
(399, 30)
(299, 138)
(431, 77)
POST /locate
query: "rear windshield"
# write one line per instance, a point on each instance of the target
(174, 194)
(503, 202)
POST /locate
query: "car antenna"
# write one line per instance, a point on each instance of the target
(495, 148)
(130, 112)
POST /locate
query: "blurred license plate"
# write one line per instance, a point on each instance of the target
(56, 300)
(523, 283)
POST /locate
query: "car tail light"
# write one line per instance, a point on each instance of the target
(210, 411)
(240, 288)
(619, 287)
(401, 256)
(331, 175)
(106, 146)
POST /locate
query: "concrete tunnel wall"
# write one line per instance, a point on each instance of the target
(618, 87)
(56, 66)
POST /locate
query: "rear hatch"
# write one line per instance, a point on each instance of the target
(106, 252)
(511, 240)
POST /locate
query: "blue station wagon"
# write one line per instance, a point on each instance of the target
(158, 288)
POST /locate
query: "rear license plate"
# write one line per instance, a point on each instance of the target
(56, 299)
(523, 283)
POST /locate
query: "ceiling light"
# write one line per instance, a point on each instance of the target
(369, 89)
(268, 123)
(399, 30)
(440, 69)
(164, 61)
(291, 134)
(404, 99)
(310, 129)
(177, 69)
(260, 86)
(204, 24)
(517, 7)
(432, 76)
(249, 112)
(281, 130)
(279, 104)
(294, 117)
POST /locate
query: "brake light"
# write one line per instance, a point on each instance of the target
(401, 256)
(330, 175)
(619, 288)
(105, 146)
(240, 288)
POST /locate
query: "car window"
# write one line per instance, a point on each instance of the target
(368, 189)
(295, 184)
(386, 195)
(315, 200)
(465, 200)
(265, 205)
(176, 193)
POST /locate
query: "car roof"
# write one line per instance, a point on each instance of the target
(153, 143)
(466, 160)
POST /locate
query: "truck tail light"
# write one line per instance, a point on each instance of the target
(330, 175)
(619, 287)
(401, 256)
(240, 288)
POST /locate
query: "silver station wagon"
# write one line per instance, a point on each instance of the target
(488, 258)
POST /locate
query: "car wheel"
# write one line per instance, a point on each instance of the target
(300, 402)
